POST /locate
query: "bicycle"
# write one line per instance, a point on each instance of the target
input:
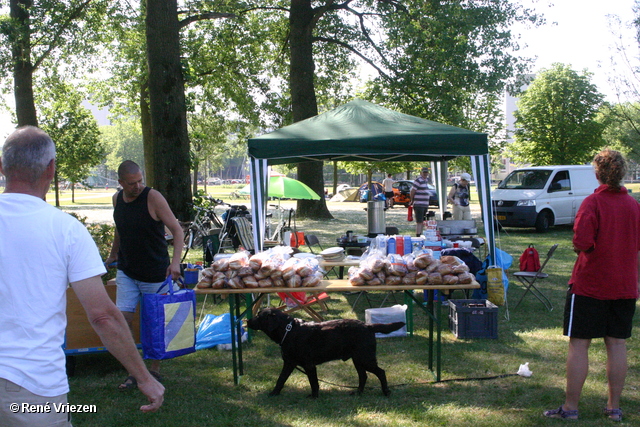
(283, 226)
(204, 222)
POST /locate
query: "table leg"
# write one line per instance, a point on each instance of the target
(434, 320)
(234, 344)
(238, 327)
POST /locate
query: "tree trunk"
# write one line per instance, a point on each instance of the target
(303, 100)
(171, 163)
(335, 177)
(22, 66)
(147, 134)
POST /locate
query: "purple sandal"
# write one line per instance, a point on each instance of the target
(613, 414)
(561, 413)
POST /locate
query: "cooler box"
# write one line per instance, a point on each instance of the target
(396, 313)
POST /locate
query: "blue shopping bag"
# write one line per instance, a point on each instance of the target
(168, 323)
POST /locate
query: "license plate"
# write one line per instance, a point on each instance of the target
(501, 217)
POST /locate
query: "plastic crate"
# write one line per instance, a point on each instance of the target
(473, 318)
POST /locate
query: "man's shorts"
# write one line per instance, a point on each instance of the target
(388, 194)
(130, 291)
(420, 213)
(12, 394)
(588, 318)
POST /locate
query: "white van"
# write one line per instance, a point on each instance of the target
(542, 196)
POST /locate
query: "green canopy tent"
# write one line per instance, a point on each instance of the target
(362, 131)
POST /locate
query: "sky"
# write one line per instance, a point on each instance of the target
(577, 33)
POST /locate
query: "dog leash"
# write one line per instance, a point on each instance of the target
(287, 329)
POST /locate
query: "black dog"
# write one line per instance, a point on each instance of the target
(307, 344)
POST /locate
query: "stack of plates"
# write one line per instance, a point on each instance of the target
(333, 254)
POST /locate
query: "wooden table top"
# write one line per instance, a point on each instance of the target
(336, 286)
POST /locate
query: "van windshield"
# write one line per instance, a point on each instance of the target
(525, 180)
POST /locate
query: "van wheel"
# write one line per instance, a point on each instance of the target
(543, 222)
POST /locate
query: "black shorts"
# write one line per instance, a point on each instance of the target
(588, 318)
(420, 213)
(388, 194)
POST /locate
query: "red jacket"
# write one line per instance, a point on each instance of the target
(607, 233)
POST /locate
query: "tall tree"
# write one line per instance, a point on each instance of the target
(74, 130)
(556, 119)
(171, 160)
(450, 57)
(38, 35)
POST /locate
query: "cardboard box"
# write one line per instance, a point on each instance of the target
(80, 336)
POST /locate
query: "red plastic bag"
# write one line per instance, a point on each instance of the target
(530, 260)
(410, 213)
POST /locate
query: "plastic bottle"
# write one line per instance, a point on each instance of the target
(391, 245)
(408, 247)
(400, 245)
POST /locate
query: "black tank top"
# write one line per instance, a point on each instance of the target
(143, 248)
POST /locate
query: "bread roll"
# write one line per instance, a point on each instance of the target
(250, 281)
(356, 280)
(434, 279)
(311, 281)
(393, 281)
(265, 283)
(460, 268)
(465, 278)
(409, 279)
(449, 279)
(421, 277)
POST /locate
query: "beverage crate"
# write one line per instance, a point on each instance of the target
(473, 318)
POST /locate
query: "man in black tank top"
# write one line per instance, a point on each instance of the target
(139, 247)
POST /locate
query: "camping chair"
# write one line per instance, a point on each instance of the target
(294, 301)
(529, 278)
(244, 232)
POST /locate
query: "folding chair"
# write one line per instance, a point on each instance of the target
(529, 278)
(312, 240)
(294, 301)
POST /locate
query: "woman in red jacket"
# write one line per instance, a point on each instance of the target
(603, 289)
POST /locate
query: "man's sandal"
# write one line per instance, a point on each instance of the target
(561, 413)
(129, 384)
(613, 414)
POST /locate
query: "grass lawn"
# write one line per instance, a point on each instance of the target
(201, 392)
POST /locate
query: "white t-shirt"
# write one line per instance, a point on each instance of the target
(42, 249)
(388, 184)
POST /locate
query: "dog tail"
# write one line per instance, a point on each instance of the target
(385, 328)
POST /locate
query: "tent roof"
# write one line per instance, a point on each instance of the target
(360, 130)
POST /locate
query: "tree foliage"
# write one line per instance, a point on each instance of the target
(123, 140)
(556, 119)
(623, 128)
(73, 129)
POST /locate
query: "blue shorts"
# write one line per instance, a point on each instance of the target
(130, 291)
(589, 318)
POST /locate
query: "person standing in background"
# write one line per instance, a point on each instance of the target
(42, 251)
(139, 246)
(459, 196)
(387, 183)
(601, 302)
(419, 199)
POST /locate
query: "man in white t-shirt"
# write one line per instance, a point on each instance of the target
(387, 183)
(42, 251)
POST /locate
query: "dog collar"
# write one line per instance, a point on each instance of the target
(287, 329)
